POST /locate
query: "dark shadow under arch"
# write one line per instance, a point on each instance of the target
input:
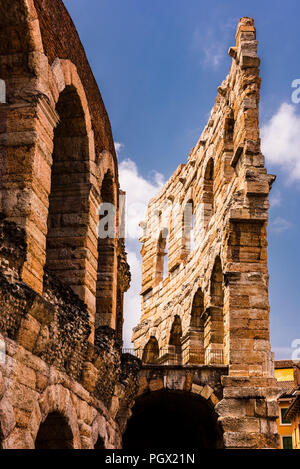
(105, 308)
(151, 351)
(170, 420)
(69, 196)
(208, 193)
(54, 433)
(196, 333)
(99, 443)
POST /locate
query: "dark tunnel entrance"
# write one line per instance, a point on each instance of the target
(172, 420)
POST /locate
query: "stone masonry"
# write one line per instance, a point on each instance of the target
(64, 382)
(210, 308)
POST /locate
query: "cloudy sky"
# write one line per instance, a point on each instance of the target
(158, 65)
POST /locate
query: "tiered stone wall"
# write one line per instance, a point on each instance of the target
(63, 378)
(212, 306)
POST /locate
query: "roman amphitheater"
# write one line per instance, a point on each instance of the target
(202, 371)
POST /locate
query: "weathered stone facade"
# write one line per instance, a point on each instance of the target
(212, 307)
(64, 382)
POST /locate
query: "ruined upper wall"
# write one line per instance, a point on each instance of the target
(226, 182)
(57, 158)
(60, 39)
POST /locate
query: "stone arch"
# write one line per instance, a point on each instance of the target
(174, 354)
(99, 432)
(151, 351)
(71, 239)
(188, 420)
(107, 259)
(54, 433)
(229, 124)
(176, 332)
(208, 193)
(69, 193)
(55, 399)
(194, 339)
(99, 443)
(162, 255)
(215, 316)
(188, 226)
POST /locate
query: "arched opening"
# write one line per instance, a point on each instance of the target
(162, 256)
(54, 433)
(215, 335)
(99, 443)
(174, 350)
(68, 215)
(208, 193)
(188, 227)
(151, 351)
(166, 420)
(194, 340)
(229, 127)
(176, 332)
(106, 273)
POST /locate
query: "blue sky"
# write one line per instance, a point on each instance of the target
(158, 65)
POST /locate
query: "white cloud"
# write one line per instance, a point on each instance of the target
(132, 300)
(212, 50)
(281, 141)
(280, 225)
(118, 146)
(212, 42)
(139, 191)
(275, 199)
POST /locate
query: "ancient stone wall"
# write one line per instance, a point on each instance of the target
(211, 305)
(58, 159)
(63, 379)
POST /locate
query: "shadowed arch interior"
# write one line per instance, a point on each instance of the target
(105, 301)
(162, 256)
(215, 337)
(68, 216)
(151, 351)
(171, 420)
(197, 328)
(176, 332)
(188, 226)
(208, 193)
(54, 433)
(99, 443)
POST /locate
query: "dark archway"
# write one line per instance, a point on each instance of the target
(176, 332)
(99, 443)
(197, 329)
(208, 193)
(188, 226)
(215, 320)
(162, 256)
(105, 291)
(66, 241)
(54, 433)
(175, 350)
(151, 351)
(170, 420)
